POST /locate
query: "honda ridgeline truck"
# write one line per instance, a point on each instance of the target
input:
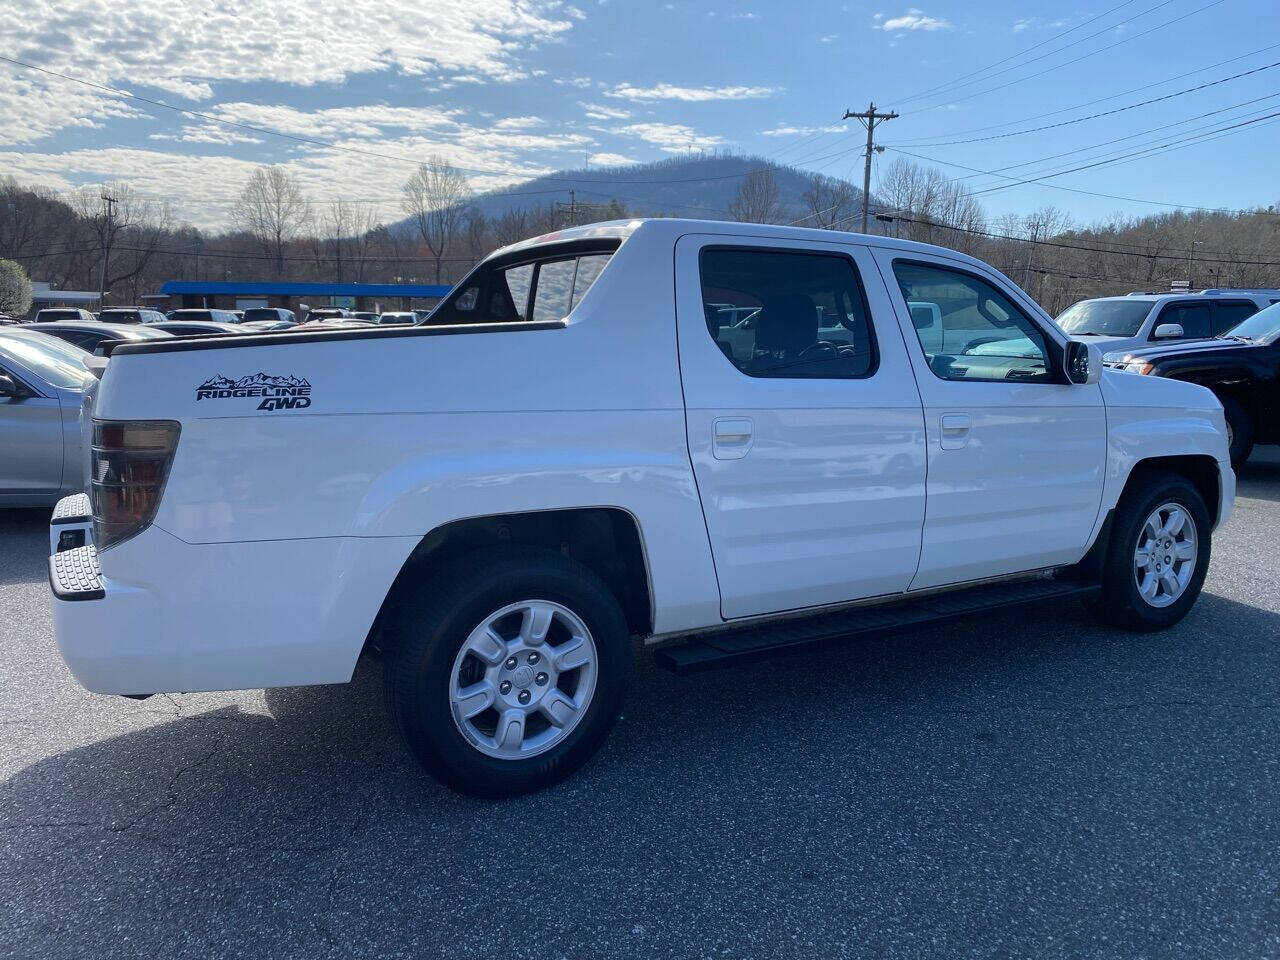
(725, 440)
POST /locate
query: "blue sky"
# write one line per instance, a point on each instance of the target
(511, 88)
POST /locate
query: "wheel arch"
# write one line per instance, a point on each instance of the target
(608, 540)
(1201, 470)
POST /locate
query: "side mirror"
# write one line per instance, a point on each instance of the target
(10, 388)
(1168, 331)
(1083, 362)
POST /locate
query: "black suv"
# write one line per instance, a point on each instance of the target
(1241, 366)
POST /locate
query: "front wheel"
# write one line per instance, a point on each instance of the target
(507, 671)
(1158, 554)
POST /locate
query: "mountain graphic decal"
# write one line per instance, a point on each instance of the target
(254, 380)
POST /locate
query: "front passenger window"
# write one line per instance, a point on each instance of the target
(968, 329)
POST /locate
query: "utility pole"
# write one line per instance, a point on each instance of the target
(869, 120)
(109, 207)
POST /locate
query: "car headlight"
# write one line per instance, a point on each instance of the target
(1139, 366)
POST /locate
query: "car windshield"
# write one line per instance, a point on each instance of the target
(58, 363)
(119, 316)
(54, 315)
(261, 313)
(1262, 326)
(1105, 318)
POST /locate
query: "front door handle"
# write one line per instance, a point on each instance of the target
(955, 430)
(732, 438)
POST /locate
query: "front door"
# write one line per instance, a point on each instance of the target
(804, 422)
(1016, 451)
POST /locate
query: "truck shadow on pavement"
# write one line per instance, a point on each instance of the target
(880, 765)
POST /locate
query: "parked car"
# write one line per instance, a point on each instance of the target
(327, 313)
(89, 335)
(42, 385)
(1141, 319)
(130, 315)
(500, 501)
(204, 315)
(398, 317)
(57, 314)
(1241, 367)
(186, 328)
(8, 319)
(269, 318)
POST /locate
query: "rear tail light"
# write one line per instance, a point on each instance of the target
(128, 465)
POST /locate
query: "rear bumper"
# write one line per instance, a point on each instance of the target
(155, 614)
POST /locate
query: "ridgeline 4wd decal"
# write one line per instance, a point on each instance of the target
(277, 393)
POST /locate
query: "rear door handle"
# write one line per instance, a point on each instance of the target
(732, 438)
(955, 430)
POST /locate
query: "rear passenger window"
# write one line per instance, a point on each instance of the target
(787, 314)
(537, 290)
(1227, 315)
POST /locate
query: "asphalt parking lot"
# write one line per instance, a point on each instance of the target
(1016, 787)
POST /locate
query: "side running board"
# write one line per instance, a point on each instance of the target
(726, 647)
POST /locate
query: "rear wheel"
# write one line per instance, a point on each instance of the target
(1240, 431)
(1158, 554)
(507, 671)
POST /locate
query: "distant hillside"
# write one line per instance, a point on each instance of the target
(693, 186)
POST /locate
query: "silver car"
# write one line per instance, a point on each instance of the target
(43, 383)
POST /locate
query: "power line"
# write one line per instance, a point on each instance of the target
(1067, 63)
(957, 82)
(1104, 113)
(1089, 103)
(1089, 193)
(1117, 140)
(1083, 247)
(1128, 156)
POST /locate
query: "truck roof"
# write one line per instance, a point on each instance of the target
(677, 226)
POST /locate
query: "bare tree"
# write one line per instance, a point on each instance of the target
(273, 210)
(128, 230)
(831, 202)
(757, 199)
(435, 198)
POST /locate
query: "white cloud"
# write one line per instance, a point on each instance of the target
(611, 160)
(914, 20)
(599, 111)
(186, 48)
(518, 123)
(829, 38)
(665, 91)
(670, 137)
(791, 131)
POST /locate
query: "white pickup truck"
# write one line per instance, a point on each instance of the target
(726, 440)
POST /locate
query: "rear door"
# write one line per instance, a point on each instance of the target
(804, 422)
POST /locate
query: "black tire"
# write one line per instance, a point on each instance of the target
(1241, 427)
(1121, 603)
(429, 628)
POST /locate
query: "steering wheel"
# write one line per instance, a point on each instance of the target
(822, 348)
